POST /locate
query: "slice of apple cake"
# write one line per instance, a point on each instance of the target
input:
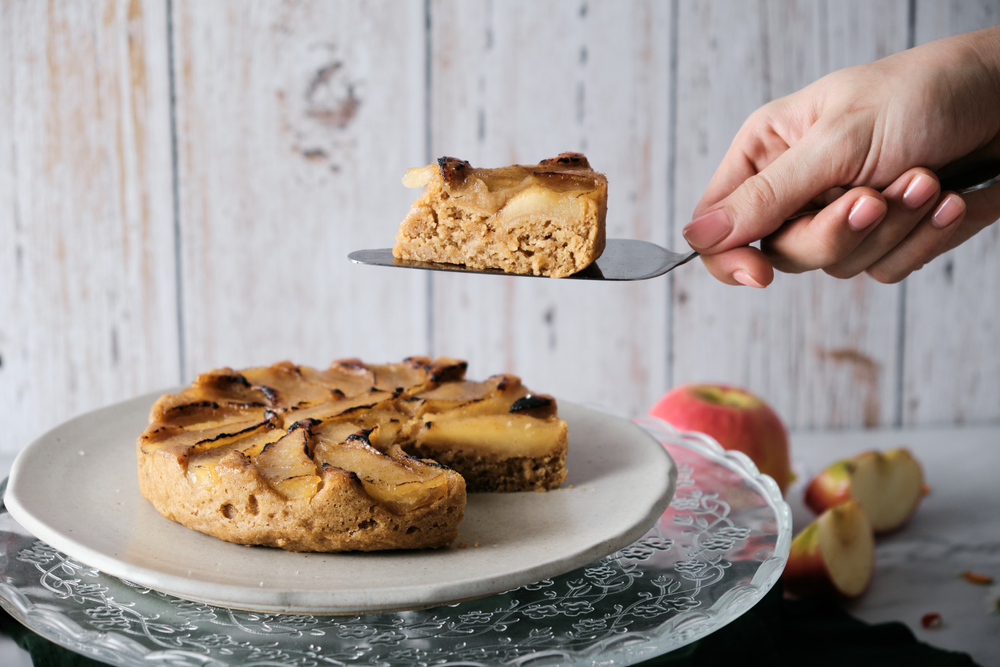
(545, 219)
(355, 457)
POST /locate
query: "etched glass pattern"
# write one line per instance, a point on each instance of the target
(713, 554)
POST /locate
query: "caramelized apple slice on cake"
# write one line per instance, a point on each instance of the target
(400, 483)
(495, 394)
(287, 464)
(203, 458)
(286, 386)
(344, 408)
(344, 378)
(197, 409)
(180, 442)
(416, 373)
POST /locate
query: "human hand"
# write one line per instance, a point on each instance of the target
(862, 144)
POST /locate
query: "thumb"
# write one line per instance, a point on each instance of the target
(765, 200)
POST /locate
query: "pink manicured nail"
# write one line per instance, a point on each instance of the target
(920, 189)
(709, 229)
(743, 278)
(865, 212)
(948, 211)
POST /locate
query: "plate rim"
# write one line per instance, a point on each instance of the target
(270, 600)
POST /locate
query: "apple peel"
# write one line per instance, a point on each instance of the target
(931, 620)
(976, 578)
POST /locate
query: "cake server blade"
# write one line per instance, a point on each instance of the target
(622, 260)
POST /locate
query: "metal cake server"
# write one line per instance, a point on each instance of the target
(622, 259)
(628, 259)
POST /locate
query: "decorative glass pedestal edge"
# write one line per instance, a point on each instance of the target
(715, 552)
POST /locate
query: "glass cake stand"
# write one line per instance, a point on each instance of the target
(718, 548)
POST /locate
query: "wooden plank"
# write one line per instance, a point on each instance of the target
(295, 124)
(952, 359)
(522, 81)
(87, 304)
(822, 351)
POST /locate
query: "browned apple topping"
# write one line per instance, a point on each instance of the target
(401, 483)
(349, 457)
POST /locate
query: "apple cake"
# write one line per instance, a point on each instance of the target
(355, 457)
(545, 219)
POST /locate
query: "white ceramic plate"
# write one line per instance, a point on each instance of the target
(76, 488)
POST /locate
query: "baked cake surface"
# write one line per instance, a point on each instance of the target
(546, 219)
(355, 457)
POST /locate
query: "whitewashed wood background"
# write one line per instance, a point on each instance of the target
(180, 184)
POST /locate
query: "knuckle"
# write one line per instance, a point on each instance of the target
(759, 194)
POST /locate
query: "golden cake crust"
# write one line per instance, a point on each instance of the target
(342, 459)
(245, 509)
(546, 219)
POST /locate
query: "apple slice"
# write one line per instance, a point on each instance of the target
(889, 486)
(466, 398)
(835, 554)
(285, 385)
(342, 408)
(400, 484)
(342, 378)
(202, 461)
(287, 466)
(195, 409)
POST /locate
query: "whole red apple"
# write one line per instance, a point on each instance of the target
(736, 419)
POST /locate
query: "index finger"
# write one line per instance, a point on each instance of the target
(765, 199)
(766, 134)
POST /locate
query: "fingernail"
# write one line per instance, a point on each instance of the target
(948, 211)
(743, 278)
(920, 189)
(707, 230)
(865, 212)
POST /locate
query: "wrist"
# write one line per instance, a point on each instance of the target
(980, 49)
(983, 49)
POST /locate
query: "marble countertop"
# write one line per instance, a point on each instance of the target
(917, 568)
(956, 528)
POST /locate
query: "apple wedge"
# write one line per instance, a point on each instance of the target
(834, 555)
(888, 486)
